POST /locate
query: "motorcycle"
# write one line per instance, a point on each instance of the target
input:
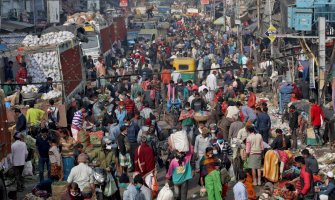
(105, 184)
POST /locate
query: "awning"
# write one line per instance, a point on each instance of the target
(12, 26)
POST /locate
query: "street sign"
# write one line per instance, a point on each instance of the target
(123, 3)
(271, 33)
(204, 2)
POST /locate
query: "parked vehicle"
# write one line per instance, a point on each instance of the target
(186, 66)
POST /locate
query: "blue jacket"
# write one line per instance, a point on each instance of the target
(133, 130)
(263, 121)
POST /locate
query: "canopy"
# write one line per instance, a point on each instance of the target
(220, 21)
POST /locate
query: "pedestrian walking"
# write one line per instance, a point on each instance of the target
(19, 155)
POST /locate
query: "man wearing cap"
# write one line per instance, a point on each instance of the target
(19, 155)
(327, 191)
(21, 124)
(82, 174)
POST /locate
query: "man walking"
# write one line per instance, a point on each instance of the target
(19, 155)
(317, 116)
(263, 123)
(293, 124)
(43, 146)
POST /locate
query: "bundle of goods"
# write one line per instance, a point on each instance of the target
(179, 141)
(80, 18)
(58, 189)
(31, 196)
(96, 137)
(51, 95)
(328, 158)
(43, 65)
(29, 92)
(201, 116)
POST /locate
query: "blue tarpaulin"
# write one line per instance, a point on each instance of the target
(3, 47)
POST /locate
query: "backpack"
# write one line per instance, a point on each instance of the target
(53, 114)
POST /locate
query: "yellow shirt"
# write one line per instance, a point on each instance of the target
(34, 115)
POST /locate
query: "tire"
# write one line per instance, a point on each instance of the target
(3, 190)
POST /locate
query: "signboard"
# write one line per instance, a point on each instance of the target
(53, 11)
(204, 2)
(123, 3)
(271, 33)
(311, 74)
(93, 5)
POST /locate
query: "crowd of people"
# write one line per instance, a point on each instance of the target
(126, 103)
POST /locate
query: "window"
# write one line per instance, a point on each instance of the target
(92, 43)
(183, 67)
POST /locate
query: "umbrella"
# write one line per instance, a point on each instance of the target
(219, 21)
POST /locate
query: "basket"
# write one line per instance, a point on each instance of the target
(30, 95)
(199, 117)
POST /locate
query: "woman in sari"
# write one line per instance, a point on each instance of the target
(67, 143)
(210, 175)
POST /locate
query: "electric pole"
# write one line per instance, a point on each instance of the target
(322, 57)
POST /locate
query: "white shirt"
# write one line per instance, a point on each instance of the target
(190, 99)
(211, 82)
(240, 192)
(202, 87)
(175, 76)
(244, 62)
(232, 112)
(82, 174)
(19, 153)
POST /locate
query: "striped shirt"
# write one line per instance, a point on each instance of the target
(77, 120)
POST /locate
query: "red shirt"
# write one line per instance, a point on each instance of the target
(130, 106)
(144, 159)
(305, 181)
(252, 100)
(316, 115)
(21, 74)
(166, 76)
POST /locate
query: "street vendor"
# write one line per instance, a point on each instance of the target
(46, 87)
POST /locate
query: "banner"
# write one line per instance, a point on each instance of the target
(53, 11)
(204, 2)
(93, 5)
(123, 3)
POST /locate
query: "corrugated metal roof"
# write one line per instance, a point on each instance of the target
(12, 26)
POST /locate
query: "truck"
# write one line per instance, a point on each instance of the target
(131, 37)
(5, 147)
(102, 32)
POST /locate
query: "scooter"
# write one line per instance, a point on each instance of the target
(100, 176)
